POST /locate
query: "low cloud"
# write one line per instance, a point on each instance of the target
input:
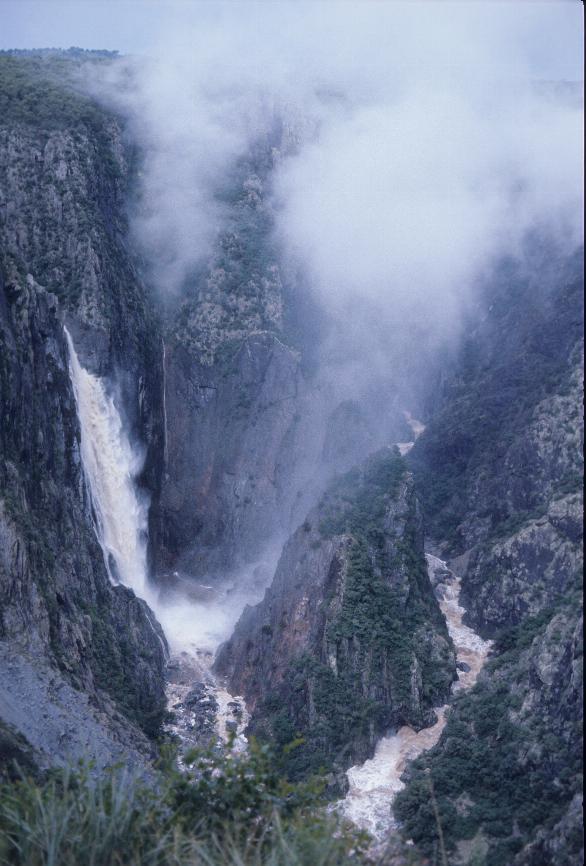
(425, 146)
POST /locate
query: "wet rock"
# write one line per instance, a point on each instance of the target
(308, 658)
(63, 257)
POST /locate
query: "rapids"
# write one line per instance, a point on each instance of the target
(193, 628)
(373, 785)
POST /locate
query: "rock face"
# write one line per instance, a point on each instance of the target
(349, 639)
(499, 468)
(65, 173)
(507, 426)
(514, 577)
(236, 397)
(507, 771)
(231, 433)
(253, 431)
(61, 619)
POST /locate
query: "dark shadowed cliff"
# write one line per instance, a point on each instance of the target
(499, 470)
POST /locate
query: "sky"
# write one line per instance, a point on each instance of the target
(551, 32)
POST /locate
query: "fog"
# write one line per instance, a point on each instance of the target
(402, 204)
(413, 145)
(418, 143)
(421, 146)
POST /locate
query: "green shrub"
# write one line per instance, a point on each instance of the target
(515, 771)
(224, 810)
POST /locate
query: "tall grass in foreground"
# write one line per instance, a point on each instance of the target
(226, 812)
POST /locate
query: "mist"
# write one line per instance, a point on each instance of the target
(420, 146)
(400, 206)
(412, 147)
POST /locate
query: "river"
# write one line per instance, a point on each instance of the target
(374, 784)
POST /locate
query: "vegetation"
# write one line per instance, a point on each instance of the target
(238, 291)
(226, 809)
(473, 460)
(356, 502)
(377, 626)
(500, 774)
(38, 88)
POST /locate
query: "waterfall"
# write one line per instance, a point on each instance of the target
(111, 466)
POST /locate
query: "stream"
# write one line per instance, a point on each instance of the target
(197, 618)
(374, 784)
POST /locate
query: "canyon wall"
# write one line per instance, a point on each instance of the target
(63, 181)
(499, 471)
(349, 640)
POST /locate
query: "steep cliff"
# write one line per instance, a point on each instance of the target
(349, 639)
(499, 469)
(254, 427)
(234, 388)
(83, 661)
(230, 435)
(80, 657)
(66, 172)
(505, 431)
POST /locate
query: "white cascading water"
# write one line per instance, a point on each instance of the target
(111, 466)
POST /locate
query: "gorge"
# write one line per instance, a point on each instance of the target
(281, 483)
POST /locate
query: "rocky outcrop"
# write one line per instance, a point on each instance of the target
(507, 771)
(236, 397)
(349, 639)
(254, 429)
(57, 604)
(512, 578)
(499, 468)
(50, 723)
(507, 427)
(66, 170)
(229, 454)
(63, 181)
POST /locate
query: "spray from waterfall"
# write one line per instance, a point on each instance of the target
(111, 466)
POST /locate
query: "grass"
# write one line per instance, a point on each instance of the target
(70, 821)
(224, 811)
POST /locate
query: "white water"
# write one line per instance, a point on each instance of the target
(111, 466)
(417, 429)
(194, 628)
(374, 784)
(199, 618)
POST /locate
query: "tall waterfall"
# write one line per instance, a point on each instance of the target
(111, 466)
